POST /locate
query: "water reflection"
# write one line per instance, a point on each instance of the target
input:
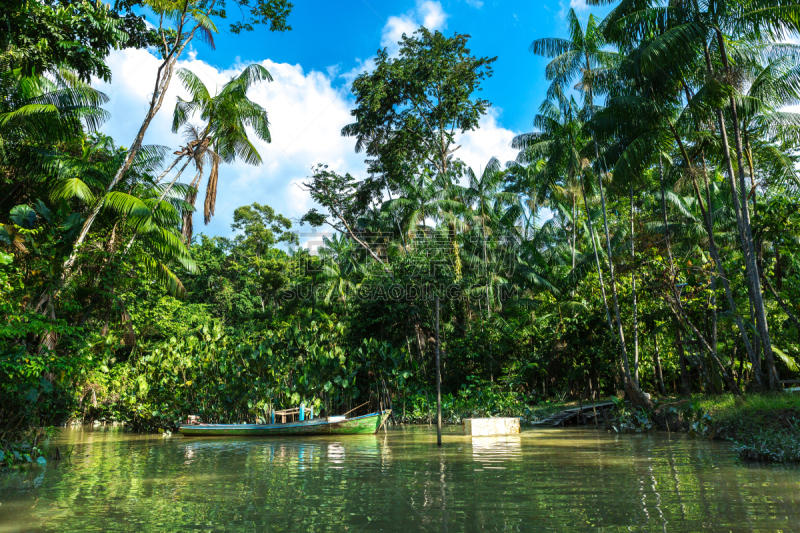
(558, 480)
(492, 453)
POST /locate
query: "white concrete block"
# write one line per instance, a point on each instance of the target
(490, 426)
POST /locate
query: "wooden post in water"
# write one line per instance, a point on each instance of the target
(438, 383)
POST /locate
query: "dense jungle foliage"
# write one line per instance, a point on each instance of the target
(645, 238)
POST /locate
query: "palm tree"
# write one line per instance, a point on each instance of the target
(559, 142)
(579, 56)
(189, 19)
(223, 135)
(484, 196)
(421, 199)
(583, 56)
(48, 108)
(528, 180)
(339, 268)
(696, 35)
(77, 178)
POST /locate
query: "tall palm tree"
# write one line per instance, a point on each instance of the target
(704, 33)
(223, 136)
(483, 195)
(559, 141)
(583, 56)
(528, 180)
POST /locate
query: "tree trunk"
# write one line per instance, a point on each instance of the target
(635, 309)
(659, 374)
(743, 223)
(631, 388)
(596, 257)
(574, 232)
(686, 385)
(486, 265)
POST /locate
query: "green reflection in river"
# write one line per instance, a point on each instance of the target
(542, 480)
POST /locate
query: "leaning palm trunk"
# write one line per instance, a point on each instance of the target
(163, 78)
(596, 258)
(712, 246)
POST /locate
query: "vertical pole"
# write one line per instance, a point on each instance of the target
(272, 416)
(311, 413)
(302, 412)
(438, 383)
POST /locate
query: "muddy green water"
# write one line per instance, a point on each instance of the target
(542, 480)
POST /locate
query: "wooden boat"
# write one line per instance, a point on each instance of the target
(332, 425)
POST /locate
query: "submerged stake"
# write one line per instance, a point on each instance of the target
(438, 383)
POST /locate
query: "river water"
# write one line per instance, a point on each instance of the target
(542, 480)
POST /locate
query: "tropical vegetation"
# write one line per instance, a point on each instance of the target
(645, 239)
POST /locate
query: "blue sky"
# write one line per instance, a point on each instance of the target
(309, 101)
(337, 34)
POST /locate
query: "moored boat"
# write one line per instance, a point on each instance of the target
(332, 425)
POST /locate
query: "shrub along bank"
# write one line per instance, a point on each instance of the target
(763, 427)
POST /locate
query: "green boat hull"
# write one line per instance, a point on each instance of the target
(360, 425)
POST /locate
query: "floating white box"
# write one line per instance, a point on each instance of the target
(490, 426)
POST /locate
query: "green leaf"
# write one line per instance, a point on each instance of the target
(32, 395)
(23, 216)
(790, 363)
(70, 188)
(42, 209)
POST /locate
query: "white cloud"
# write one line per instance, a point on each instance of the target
(306, 114)
(395, 28)
(489, 140)
(428, 13)
(433, 16)
(580, 7)
(477, 4)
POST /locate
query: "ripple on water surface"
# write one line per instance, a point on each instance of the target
(541, 480)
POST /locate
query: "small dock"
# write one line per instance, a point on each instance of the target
(582, 413)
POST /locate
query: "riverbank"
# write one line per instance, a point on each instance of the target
(764, 427)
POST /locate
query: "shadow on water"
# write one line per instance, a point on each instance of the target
(398, 480)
